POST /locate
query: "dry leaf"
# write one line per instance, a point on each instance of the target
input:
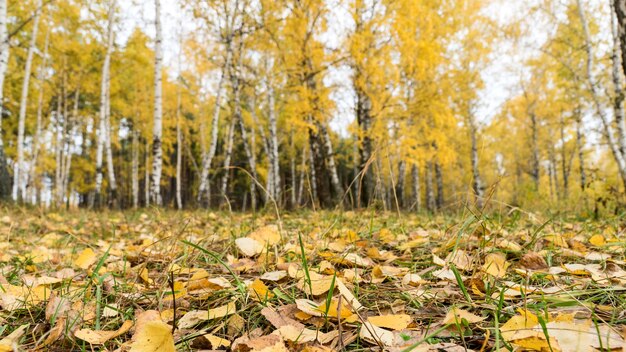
(249, 247)
(86, 258)
(392, 321)
(455, 316)
(154, 336)
(195, 317)
(98, 337)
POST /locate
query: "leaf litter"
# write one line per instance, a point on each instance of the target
(202, 281)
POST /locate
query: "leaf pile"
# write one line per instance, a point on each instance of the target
(308, 282)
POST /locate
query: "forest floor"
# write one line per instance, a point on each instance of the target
(309, 281)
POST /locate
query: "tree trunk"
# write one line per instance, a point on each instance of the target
(534, 173)
(579, 147)
(228, 156)
(400, 184)
(207, 160)
(37, 137)
(618, 89)
(595, 95)
(565, 165)
(147, 174)
(19, 165)
(302, 175)
(430, 191)
(179, 150)
(366, 179)
(477, 184)
(157, 156)
(5, 178)
(416, 187)
(60, 130)
(439, 177)
(135, 168)
(274, 144)
(250, 153)
(332, 166)
(619, 6)
(292, 166)
(101, 133)
(109, 149)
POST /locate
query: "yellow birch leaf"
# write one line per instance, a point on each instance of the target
(86, 258)
(154, 336)
(391, 321)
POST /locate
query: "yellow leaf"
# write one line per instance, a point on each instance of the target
(495, 265)
(597, 240)
(455, 316)
(154, 336)
(9, 343)
(334, 311)
(266, 235)
(375, 335)
(391, 321)
(216, 341)
(259, 290)
(249, 247)
(85, 259)
(98, 337)
(195, 317)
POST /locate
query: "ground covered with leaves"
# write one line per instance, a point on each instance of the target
(324, 281)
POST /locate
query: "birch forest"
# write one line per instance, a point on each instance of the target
(400, 105)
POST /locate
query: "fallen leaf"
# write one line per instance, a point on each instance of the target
(98, 337)
(249, 247)
(391, 321)
(86, 258)
(154, 336)
(455, 316)
(195, 317)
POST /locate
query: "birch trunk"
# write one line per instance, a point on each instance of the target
(67, 164)
(157, 156)
(439, 180)
(415, 175)
(292, 166)
(109, 149)
(5, 178)
(477, 184)
(430, 192)
(302, 175)
(400, 184)
(19, 165)
(207, 160)
(579, 147)
(595, 95)
(60, 128)
(179, 151)
(147, 174)
(37, 137)
(135, 168)
(619, 6)
(274, 144)
(101, 132)
(618, 89)
(229, 153)
(535, 150)
(332, 166)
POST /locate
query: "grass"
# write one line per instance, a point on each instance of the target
(173, 246)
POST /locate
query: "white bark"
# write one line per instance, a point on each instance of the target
(37, 137)
(332, 166)
(179, 152)
(108, 147)
(595, 94)
(229, 153)
(273, 142)
(4, 62)
(19, 165)
(207, 160)
(135, 168)
(102, 125)
(157, 152)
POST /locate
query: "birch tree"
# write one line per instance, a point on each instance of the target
(157, 157)
(19, 164)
